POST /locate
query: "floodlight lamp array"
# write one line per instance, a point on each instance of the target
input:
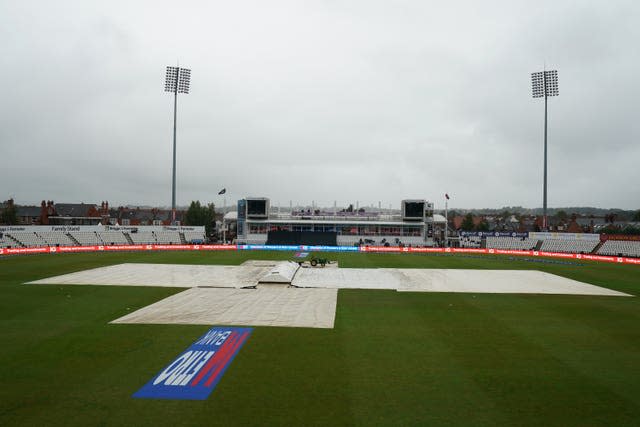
(179, 78)
(171, 79)
(544, 83)
(184, 79)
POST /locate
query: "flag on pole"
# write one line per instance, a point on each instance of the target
(221, 192)
(446, 195)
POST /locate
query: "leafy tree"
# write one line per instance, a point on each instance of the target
(562, 215)
(636, 216)
(483, 226)
(9, 214)
(467, 222)
(629, 229)
(201, 215)
(610, 229)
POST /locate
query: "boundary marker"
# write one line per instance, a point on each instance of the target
(369, 249)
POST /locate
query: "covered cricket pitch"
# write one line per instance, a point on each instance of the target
(309, 295)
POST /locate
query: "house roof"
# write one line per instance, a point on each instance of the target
(73, 209)
(231, 216)
(144, 214)
(439, 218)
(30, 211)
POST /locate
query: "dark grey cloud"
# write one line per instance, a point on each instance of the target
(347, 101)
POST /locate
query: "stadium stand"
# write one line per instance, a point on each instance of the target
(620, 247)
(142, 237)
(570, 246)
(516, 243)
(193, 236)
(404, 240)
(86, 238)
(28, 238)
(167, 237)
(470, 242)
(6, 242)
(56, 238)
(345, 240)
(610, 247)
(112, 238)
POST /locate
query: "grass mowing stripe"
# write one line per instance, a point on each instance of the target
(532, 364)
(400, 366)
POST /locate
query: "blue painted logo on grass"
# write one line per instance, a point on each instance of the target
(195, 373)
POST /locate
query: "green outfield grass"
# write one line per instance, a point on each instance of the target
(394, 358)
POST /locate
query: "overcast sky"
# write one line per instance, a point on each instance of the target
(352, 101)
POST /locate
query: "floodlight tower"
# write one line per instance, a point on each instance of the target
(177, 81)
(544, 84)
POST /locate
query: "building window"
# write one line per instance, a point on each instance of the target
(349, 230)
(257, 229)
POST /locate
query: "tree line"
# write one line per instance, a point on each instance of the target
(201, 215)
